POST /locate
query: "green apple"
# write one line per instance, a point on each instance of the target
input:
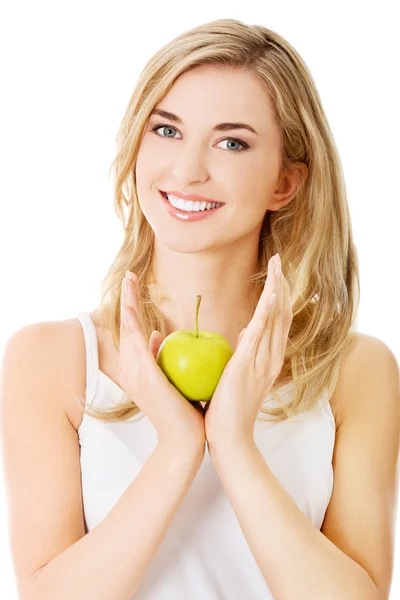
(193, 360)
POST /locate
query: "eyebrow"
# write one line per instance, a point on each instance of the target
(220, 127)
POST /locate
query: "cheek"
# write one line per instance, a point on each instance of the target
(251, 201)
(143, 164)
(147, 175)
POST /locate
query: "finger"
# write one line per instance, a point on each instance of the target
(132, 294)
(155, 342)
(288, 317)
(123, 315)
(263, 310)
(130, 324)
(132, 298)
(272, 341)
(132, 278)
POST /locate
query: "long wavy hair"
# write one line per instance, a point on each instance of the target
(312, 233)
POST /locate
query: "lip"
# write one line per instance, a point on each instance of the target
(194, 197)
(182, 215)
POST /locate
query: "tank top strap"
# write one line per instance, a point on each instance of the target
(92, 355)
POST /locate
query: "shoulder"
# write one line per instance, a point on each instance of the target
(364, 350)
(368, 365)
(54, 350)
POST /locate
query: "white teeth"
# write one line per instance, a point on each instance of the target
(190, 206)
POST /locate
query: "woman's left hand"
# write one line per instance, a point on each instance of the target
(254, 367)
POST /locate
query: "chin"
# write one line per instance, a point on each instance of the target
(182, 245)
(178, 237)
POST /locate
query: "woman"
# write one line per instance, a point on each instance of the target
(225, 120)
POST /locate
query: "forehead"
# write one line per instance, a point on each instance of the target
(209, 95)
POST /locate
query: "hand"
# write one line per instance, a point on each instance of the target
(176, 420)
(253, 368)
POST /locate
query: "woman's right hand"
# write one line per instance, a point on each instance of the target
(177, 421)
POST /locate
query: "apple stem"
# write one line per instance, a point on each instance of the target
(197, 315)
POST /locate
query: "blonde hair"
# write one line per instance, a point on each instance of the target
(312, 233)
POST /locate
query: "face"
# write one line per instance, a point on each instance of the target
(234, 166)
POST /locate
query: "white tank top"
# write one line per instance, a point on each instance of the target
(204, 554)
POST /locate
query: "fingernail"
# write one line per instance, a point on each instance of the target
(124, 286)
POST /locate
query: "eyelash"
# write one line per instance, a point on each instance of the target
(243, 144)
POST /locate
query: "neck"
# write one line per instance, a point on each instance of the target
(221, 277)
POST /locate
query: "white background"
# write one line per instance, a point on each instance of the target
(68, 71)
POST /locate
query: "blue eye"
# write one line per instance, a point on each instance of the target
(240, 142)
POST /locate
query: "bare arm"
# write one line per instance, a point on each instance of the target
(53, 557)
(111, 560)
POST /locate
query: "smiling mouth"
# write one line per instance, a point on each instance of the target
(204, 210)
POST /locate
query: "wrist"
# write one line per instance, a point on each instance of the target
(188, 451)
(222, 446)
